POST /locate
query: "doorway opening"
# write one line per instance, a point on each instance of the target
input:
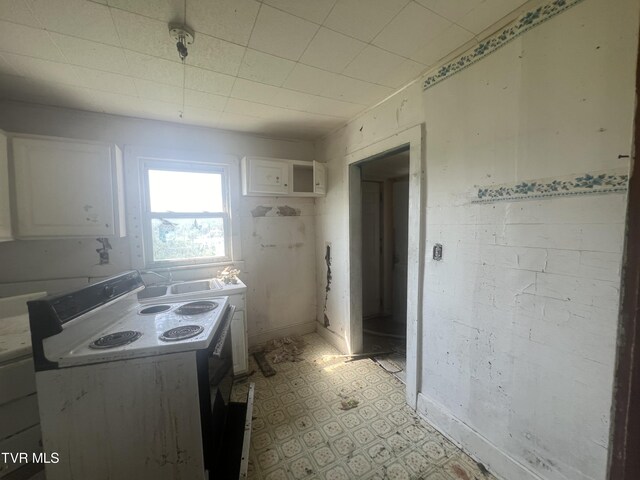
(384, 186)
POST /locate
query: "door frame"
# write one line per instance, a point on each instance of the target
(414, 138)
(624, 461)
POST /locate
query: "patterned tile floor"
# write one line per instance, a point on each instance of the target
(300, 430)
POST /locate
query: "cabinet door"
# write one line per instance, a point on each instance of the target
(239, 349)
(5, 209)
(267, 176)
(319, 178)
(65, 188)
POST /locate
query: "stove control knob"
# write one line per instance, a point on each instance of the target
(108, 291)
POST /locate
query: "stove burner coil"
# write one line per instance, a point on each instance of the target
(195, 308)
(154, 309)
(116, 339)
(181, 333)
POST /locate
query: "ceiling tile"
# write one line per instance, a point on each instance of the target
(253, 109)
(331, 50)
(201, 116)
(6, 68)
(487, 13)
(78, 18)
(363, 19)
(91, 54)
(158, 91)
(414, 26)
(193, 98)
(107, 82)
(145, 35)
(168, 11)
(356, 91)
(449, 40)
(153, 68)
(28, 41)
(313, 10)
(403, 74)
(230, 20)
(281, 34)
(208, 81)
(452, 10)
(215, 54)
(373, 64)
(265, 68)
(240, 123)
(316, 104)
(254, 91)
(139, 107)
(43, 71)
(309, 79)
(17, 11)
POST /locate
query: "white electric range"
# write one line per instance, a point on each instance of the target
(131, 390)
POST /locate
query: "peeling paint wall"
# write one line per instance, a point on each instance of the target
(520, 316)
(279, 245)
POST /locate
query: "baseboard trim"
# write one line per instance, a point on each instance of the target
(332, 337)
(475, 445)
(287, 331)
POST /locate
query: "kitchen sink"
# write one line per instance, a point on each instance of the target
(196, 286)
(153, 291)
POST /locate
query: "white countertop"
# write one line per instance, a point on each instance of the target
(15, 336)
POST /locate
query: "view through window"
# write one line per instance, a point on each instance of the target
(187, 214)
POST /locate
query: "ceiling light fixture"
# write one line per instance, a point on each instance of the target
(183, 36)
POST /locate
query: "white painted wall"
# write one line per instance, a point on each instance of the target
(520, 317)
(53, 265)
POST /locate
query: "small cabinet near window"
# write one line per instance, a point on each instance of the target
(5, 209)
(265, 176)
(272, 176)
(67, 188)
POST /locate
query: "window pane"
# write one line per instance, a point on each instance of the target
(185, 238)
(185, 192)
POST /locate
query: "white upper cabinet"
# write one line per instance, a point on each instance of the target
(319, 178)
(265, 176)
(273, 176)
(5, 206)
(67, 188)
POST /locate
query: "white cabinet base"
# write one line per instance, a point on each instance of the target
(239, 344)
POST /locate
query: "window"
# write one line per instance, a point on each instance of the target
(186, 213)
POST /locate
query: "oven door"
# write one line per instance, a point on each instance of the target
(215, 379)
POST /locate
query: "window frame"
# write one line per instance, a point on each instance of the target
(147, 215)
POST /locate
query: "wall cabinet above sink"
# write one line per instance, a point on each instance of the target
(263, 176)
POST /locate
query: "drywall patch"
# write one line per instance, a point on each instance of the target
(103, 251)
(261, 211)
(287, 211)
(519, 26)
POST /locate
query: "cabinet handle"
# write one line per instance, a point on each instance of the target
(285, 185)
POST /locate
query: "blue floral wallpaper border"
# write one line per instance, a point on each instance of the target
(525, 22)
(587, 184)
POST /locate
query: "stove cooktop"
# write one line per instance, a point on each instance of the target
(142, 330)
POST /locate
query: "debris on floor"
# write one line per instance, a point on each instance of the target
(349, 404)
(322, 417)
(285, 349)
(263, 363)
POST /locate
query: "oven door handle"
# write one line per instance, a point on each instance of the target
(224, 329)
